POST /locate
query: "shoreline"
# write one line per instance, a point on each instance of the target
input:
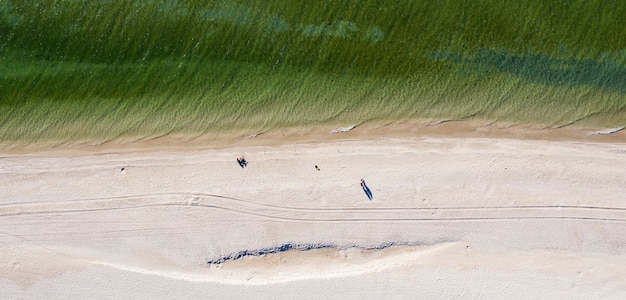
(323, 133)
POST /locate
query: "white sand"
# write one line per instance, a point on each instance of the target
(484, 218)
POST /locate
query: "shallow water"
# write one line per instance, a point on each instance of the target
(78, 69)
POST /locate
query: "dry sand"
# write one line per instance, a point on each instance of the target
(452, 217)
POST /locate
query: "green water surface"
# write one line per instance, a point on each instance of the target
(102, 69)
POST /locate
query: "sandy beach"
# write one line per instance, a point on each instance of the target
(466, 215)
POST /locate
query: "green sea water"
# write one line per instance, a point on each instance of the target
(102, 69)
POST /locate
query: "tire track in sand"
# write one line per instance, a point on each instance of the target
(304, 214)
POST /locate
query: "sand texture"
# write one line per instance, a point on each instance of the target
(450, 218)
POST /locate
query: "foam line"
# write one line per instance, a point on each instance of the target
(607, 131)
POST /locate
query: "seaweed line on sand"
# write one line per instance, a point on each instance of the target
(306, 247)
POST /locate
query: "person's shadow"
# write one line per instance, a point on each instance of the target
(366, 189)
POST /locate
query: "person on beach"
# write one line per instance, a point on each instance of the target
(366, 189)
(317, 168)
(242, 162)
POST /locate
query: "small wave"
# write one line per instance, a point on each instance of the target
(342, 129)
(606, 131)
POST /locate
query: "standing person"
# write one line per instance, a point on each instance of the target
(239, 162)
(366, 189)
